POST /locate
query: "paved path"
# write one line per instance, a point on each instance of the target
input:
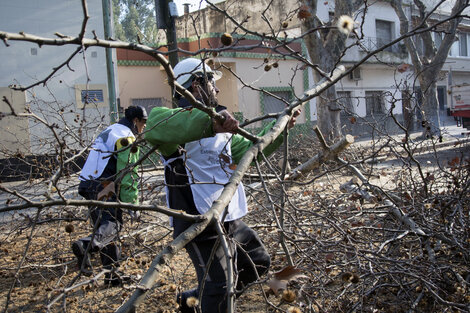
(451, 134)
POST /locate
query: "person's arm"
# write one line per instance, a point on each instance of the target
(240, 144)
(168, 128)
(128, 191)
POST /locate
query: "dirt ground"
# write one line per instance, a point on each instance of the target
(48, 277)
(41, 274)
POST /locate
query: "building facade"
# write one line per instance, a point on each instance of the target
(367, 93)
(382, 85)
(61, 100)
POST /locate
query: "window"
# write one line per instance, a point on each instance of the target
(273, 105)
(94, 95)
(463, 44)
(438, 39)
(345, 102)
(442, 97)
(150, 103)
(331, 16)
(384, 33)
(375, 102)
(419, 44)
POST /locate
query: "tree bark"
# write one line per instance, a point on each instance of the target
(325, 48)
(429, 62)
(430, 106)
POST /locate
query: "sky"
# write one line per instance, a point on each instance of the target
(194, 5)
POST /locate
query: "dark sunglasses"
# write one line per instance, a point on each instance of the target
(209, 77)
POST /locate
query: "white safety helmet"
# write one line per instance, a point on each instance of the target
(190, 67)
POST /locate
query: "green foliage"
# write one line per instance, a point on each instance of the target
(134, 19)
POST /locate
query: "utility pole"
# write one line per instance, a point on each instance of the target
(110, 65)
(166, 13)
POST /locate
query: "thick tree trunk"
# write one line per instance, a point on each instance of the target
(430, 108)
(325, 48)
(429, 62)
(325, 54)
(328, 119)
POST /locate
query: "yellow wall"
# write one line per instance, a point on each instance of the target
(251, 72)
(150, 82)
(138, 82)
(14, 130)
(228, 95)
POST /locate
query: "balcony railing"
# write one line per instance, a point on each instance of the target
(374, 43)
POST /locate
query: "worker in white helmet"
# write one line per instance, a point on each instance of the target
(195, 177)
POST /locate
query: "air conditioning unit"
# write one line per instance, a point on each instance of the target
(355, 75)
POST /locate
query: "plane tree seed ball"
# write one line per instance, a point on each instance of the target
(226, 39)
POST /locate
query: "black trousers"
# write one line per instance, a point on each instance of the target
(250, 259)
(106, 223)
(249, 256)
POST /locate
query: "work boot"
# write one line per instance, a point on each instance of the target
(83, 259)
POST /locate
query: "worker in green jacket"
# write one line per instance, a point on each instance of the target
(112, 152)
(199, 157)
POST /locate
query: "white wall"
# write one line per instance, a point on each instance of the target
(380, 11)
(139, 82)
(375, 78)
(21, 67)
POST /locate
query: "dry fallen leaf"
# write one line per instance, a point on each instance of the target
(107, 191)
(303, 12)
(329, 257)
(281, 278)
(225, 158)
